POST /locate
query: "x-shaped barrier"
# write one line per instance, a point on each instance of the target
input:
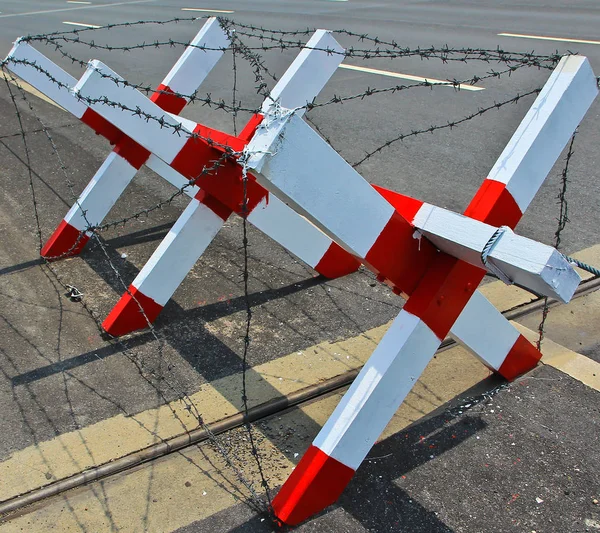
(432, 256)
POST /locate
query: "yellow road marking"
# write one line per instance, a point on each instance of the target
(410, 77)
(202, 10)
(82, 24)
(104, 441)
(546, 38)
(577, 366)
(30, 89)
(155, 497)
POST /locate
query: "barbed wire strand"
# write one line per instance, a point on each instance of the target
(251, 53)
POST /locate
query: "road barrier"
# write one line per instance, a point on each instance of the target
(280, 175)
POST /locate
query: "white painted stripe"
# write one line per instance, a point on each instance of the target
(280, 222)
(484, 331)
(410, 77)
(527, 263)
(178, 252)
(195, 63)
(308, 73)
(60, 94)
(82, 24)
(546, 38)
(546, 129)
(101, 192)
(202, 10)
(379, 389)
(297, 165)
(77, 2)
(95, 6)
(97, 83)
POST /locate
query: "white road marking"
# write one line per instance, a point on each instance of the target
(544, 38)
(77, 2)
(410, 77)
(206, 10)
(82, 24)
(96, 6)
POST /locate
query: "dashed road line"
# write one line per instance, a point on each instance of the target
(548, 38)
(94, 6)
(203, 10)
(82, 24)
(410, 77)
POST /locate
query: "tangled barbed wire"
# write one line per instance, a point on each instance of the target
(247, 44)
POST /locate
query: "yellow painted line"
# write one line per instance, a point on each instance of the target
(546, 38)
(30, 89)
(104, 441)
(202, 10)
(107, 440)
(410, 77)
(185, 487)
(82, 24)
(577, 366)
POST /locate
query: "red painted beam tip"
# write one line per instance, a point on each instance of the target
(315, 483)
(337, 262)
(66, 241)
(522, 358)
(127, 316)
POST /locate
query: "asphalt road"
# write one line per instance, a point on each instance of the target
(445, 169)
(203, 324)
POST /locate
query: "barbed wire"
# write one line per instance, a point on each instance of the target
(245, 50)
(151, 376)
(563, 220)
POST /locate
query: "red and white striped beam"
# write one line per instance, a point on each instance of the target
(121, 166)
(480, 327)
(200, 222)
(150, 291)
(370, 228)
(436, 300)
(273, 218)
(377, 256)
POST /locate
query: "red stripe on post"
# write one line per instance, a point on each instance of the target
(315, 483)
(522, 357)
(63, 240)
(166, 99)
(102, 126)
(250, 128)
(337, 262)
(213, 204)
(224, 183)
(399, 257)
(444, 292)
(405, 205)
(494, 205)
(135, 154)
(127, 316)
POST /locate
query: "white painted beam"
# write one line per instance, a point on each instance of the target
(546, 129)
(528, 263)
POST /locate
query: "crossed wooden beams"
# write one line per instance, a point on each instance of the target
(206, 213)
(432, 256)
